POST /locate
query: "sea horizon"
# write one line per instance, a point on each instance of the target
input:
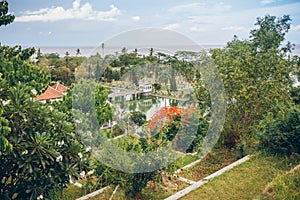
(113, 50)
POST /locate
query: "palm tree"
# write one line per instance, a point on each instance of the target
(151, 52)
(102, 46)
(78, 52)
(67, 59)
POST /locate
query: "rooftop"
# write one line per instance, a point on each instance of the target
(53, 92)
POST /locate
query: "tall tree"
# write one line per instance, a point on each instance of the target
(67, 59)
(38, 146)
(44, 151)
(5, 17)
(78, 52)
(256, 75)
(270, 33)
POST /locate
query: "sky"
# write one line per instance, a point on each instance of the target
(90, 22)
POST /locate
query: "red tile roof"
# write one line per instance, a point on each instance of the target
(59, 87)
(50, 93)
(53, 92)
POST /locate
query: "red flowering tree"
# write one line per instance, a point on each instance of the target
(179, 125)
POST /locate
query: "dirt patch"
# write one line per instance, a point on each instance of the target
(212, 162)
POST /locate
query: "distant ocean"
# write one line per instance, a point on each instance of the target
(87, 51)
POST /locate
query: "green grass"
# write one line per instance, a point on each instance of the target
(285, 186)
(246, 181)
(70, 193)
(186, 159)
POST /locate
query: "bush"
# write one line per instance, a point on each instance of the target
(280, 135)
(295, 93)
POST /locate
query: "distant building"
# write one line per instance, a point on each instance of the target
(145, 86)
(55, 92)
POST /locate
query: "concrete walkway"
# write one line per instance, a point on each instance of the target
(196, 185)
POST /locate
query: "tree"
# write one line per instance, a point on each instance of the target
(5, 18)
(38, 56)
(78, 52)
(62, 74)
(270, 33)
(151, 52)
(137, 117)
(279, 133)
(44, 152)
(16, 68)
(256, 76)
(5, 130)
(133, 183)
(39, 149)
(103, 109)
(67, 59)
(156, 87)
(295, 94)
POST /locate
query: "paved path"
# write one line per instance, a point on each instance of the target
(196, 185)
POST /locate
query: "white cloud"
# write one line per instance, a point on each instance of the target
(78, 11)
(187, 7)
(222, 7)
(198, 29)
(233, 28)
(295, 28)
(172, 26)
(200, 19)
(265, 2)
(136, 18)
(204, 8)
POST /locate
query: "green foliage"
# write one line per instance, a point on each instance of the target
(17, 69)
(4, 133)
(5, 17)
(271, 32)
(295, 93)
(285, 186)
(139, 118)
(62, 74)
(132, 182)
(86, 97)
(256, 77)
(61, 69)
(45, 152)
(104, 111)
(39, 149)
(280, 134)
(156, 87)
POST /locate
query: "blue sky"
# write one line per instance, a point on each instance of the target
(89, 22)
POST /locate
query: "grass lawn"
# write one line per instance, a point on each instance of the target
(285, 186)
(186, 159)
(246, 181)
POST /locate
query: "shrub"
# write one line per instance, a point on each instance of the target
(280, 134)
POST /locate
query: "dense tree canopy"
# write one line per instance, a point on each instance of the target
(39, 149)
(42, 146)
(256, 74)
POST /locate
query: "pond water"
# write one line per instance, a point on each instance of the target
(149, 105)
